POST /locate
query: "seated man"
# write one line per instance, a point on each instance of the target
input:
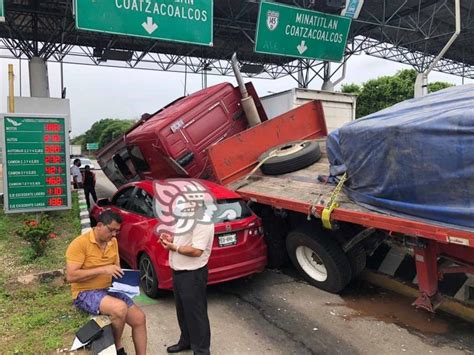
(92, 260)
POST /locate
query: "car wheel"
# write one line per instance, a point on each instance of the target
(148, 278)
(290, 157)
(319, 258)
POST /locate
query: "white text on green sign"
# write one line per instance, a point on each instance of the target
(189, 21)
(295, 32)
(92, 146)
(36, 170)
(2, 11)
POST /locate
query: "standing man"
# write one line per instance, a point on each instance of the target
(89, 185)
(189, 254)
(76, 173)
(91, 261)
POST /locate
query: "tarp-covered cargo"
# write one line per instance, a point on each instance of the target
(415, 158)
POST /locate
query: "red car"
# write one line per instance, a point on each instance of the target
(238, 249)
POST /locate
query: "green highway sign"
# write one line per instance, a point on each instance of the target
(296, 32)
(36, 173)
(188, 21)
(2, 11)
(92, 146)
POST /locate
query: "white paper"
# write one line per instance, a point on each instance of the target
(77, 344)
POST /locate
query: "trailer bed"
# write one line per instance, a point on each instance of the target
(300, 191)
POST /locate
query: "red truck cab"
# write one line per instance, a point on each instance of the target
(174, 141)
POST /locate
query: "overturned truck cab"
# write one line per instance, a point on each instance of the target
(173, 141)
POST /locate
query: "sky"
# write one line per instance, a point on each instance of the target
(98, 92)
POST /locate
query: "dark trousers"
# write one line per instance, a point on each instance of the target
(191, 308)
(90, 190)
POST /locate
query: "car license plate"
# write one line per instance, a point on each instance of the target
(228, 239)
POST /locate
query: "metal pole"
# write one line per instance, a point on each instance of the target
(185, 75)
(421, 83)
(19, 60)
(62, 79)
(11, 93)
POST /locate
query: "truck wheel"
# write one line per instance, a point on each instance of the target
(290, 157)
(319, 258)
(148, 278)
(357, 259)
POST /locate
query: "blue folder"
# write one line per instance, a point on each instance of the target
(130, 277)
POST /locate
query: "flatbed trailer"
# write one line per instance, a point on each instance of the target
(297, 201)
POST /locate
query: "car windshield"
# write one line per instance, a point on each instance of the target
(85, 162)
(230, 210)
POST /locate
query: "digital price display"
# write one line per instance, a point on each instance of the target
(35, 163)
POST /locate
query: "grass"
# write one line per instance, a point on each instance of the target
(36, 319)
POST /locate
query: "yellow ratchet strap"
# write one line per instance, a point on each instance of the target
(332, 204)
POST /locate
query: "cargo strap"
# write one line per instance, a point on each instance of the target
(244, 181)
(332, 204)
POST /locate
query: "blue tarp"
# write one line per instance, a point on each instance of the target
(414, 158)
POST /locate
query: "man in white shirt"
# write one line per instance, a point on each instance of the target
(189, 254)
(76, 173)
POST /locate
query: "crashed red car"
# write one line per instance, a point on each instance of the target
(238, 249)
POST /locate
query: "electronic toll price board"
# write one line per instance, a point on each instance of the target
(36, 174)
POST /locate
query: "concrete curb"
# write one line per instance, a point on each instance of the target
(84, 213)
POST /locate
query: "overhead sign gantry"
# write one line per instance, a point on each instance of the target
(185, 21)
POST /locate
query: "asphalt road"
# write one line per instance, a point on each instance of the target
(277, 313)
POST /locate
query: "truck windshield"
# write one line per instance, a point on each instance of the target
(230, 210)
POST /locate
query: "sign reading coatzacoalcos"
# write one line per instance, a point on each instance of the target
(189, 21)
(36, 173)
(296, 32)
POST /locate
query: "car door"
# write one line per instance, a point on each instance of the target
(120, 204)
(141, 223)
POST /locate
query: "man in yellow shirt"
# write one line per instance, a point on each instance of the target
(91, 261)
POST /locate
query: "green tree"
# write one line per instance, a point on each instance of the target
(377, 94)
(78, 139)
(112, 126)
(438, 85)
(113, 130)
(351, 88)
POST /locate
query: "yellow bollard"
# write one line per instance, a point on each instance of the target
(11, 97)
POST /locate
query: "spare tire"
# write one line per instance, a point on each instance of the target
(290, 157)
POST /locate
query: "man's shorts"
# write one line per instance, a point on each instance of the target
(89, 301)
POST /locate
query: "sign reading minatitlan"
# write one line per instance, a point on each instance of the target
(295, 32)
(36, 173)
(188, 21)
(2, 11)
